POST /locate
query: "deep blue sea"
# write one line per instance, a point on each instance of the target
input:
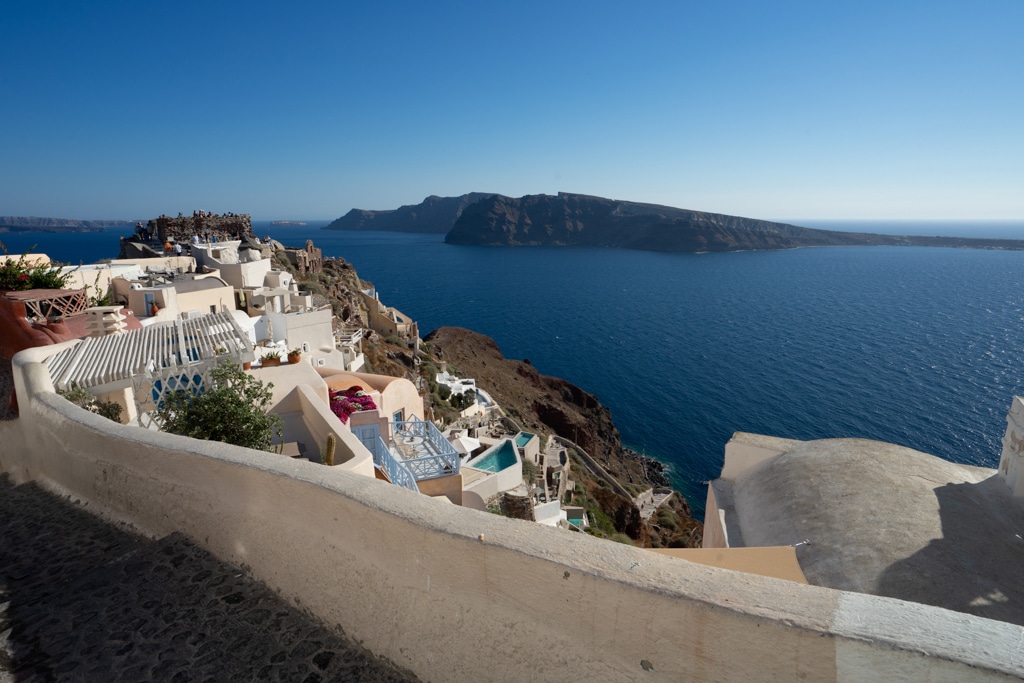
(922, 347)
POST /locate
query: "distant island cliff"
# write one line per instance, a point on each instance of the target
(581, 220)
(568, 219)
(34, 224)
(433, 214)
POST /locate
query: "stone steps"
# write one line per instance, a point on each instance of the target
(87, 601)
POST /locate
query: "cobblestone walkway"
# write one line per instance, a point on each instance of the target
(81, 600)
(6, 389)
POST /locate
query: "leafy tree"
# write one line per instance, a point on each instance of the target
(232, 409)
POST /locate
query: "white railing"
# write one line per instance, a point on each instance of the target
(441, 458)
(397, 471)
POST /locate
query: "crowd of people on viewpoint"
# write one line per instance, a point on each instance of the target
(175, 247)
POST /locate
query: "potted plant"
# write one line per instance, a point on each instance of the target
(295, 355)
(271, 358)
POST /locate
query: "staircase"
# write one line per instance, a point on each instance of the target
(84, 600)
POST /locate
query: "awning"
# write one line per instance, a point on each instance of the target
(465, 444)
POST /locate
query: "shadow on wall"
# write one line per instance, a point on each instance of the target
(975, 566)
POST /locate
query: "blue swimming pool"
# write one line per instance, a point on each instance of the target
(522, 438)
(496, 458)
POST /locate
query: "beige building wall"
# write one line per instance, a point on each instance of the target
(206, 300)
(388, 321)
(531, 451)
(313, 328)
(450, 487)
(410, 578)
(716, 534)
(136, 300)
(183, 264)
(779, 562)
(96, 279)
(316, 422)
(30, 259)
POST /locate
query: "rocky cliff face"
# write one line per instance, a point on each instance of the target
(433, 214)
(34, 224)
(581, 220)
(540, 403)
(551, 404)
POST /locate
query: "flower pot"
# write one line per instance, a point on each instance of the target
(247, 365)
(270, 362)
(294, 357)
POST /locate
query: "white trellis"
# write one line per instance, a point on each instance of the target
(154, 385)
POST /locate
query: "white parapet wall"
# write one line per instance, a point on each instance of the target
(409, 577)
(1010, 469)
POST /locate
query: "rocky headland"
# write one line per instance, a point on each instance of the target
(581, 220)
(551, 405)
(568, 219)
(433, 214)
(34, 224)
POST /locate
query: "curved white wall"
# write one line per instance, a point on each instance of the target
(409, 577)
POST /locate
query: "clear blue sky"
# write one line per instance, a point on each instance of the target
(308, 109)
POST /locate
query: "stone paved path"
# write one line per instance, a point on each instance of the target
(81, 600)
(6, 389)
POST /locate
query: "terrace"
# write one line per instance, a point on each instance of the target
(383, 458)
(424, 450)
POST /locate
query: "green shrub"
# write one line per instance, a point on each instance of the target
(667, 518)
(602, 521)
(529, 471)
(98, 298)
(83, 399)
(313, 286)
(233, 409)
(21, 275)
(620, 537)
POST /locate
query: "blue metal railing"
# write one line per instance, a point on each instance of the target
(441, 460)
(398, 472)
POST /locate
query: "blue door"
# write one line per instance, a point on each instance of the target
(369, 435)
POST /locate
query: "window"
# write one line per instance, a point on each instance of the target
(399, 416)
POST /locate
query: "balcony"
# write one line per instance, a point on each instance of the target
(424, 450)
(397, 472)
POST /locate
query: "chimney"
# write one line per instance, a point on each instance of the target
(104, 320)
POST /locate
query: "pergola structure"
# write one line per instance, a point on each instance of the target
(108, 363)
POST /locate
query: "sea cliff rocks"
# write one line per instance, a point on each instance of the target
(568, 219)
(433, 214)
(551, 404)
